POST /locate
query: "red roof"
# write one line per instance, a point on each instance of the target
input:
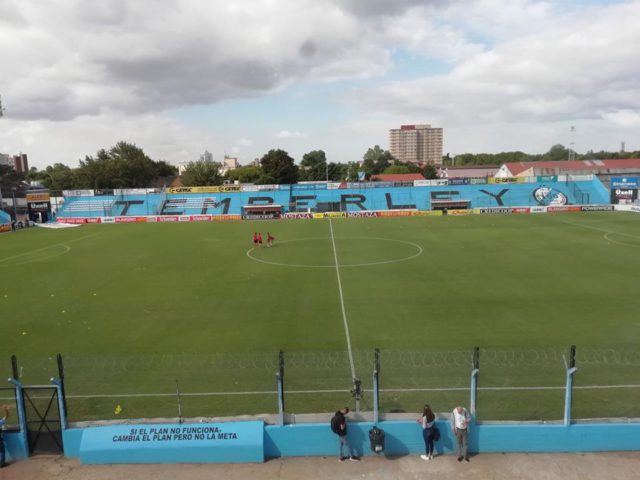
(519, 167)
(397, 177)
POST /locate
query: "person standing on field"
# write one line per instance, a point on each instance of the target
(270, 240)
(460, 420)
(339, 427)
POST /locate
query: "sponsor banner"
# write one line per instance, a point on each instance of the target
(478, 181)
(333, 186)
(298, 215)
(538, 209)
(184, 218)
(108, 220)
(39, 206)
(5, 227)
(564, 209)
(460, 213)
(249, 188)
(624, 196)
(622, 182)
(309, 186)
(257, 216)
(635, 208)
(285, 187)
(38, 197)
(366, 214)
(129, 219)
(427, 213)
(546, 178)
(200, 218)
(330, 215)
(597, 208)
(438, 182)
(385, 184)
(266, 188)
(495, 210)
(458, 181)
(94, 220)
(506, 180)
(521, 210)
(219, 189)
(133, 191)
(77, 193)
(395, 213)
(73, 220)
(225, 217)
(167, 218)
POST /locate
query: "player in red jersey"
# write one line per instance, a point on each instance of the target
(255, 239)
(259, 239)
(270, 239)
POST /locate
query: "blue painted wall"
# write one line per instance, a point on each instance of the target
(354, 199)
(95, 445)
(16, 447)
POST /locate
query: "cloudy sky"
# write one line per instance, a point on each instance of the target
(240, 77)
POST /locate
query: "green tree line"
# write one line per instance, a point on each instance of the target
(125, 165)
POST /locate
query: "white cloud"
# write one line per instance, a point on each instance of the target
(290, 134)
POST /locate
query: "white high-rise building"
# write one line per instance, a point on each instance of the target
(416, 144)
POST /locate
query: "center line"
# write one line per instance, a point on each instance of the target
(344, 312)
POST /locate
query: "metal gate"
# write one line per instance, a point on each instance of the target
(44, 431)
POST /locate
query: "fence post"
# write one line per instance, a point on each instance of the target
(280, 384)
(474, 380)
(63, 392)
(568, 393)
(376, 386)
(22, 419)
(62, 409)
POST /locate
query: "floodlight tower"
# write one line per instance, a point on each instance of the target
(572, 153)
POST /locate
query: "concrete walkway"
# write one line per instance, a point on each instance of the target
(597, 466)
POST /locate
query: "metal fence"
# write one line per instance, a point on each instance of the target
(499, 384)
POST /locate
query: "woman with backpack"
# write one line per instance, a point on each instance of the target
(428, 422)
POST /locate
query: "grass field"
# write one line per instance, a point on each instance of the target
(133, 308)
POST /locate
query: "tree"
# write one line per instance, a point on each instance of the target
(246, 174)
(376, 160)
(313, 166)
(429, 172)
(202, 173)
(164, 169)
(555, 153)
(278, 167)
(123, 166)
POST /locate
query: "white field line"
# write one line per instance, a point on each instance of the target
(344, 312)
(600, 229)
(303, 392)
(48, 247)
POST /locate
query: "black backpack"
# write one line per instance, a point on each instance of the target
(335, 423)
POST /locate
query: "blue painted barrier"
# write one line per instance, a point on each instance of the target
(256, 442)
(232, 442)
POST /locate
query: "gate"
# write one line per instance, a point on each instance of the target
(44, 430)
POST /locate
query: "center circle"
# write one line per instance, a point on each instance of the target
(358, 246)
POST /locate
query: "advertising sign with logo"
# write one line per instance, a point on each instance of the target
(486, 211)
(624, 182)
(624, 196)
(597, 208)
(507, 180)
(458, 181)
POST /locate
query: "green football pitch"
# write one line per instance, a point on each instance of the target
(141, 311)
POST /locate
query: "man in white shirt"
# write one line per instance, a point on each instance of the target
(460, 420)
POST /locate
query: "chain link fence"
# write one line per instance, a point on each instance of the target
(512, 384)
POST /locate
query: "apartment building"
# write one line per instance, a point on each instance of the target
(416, 144)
